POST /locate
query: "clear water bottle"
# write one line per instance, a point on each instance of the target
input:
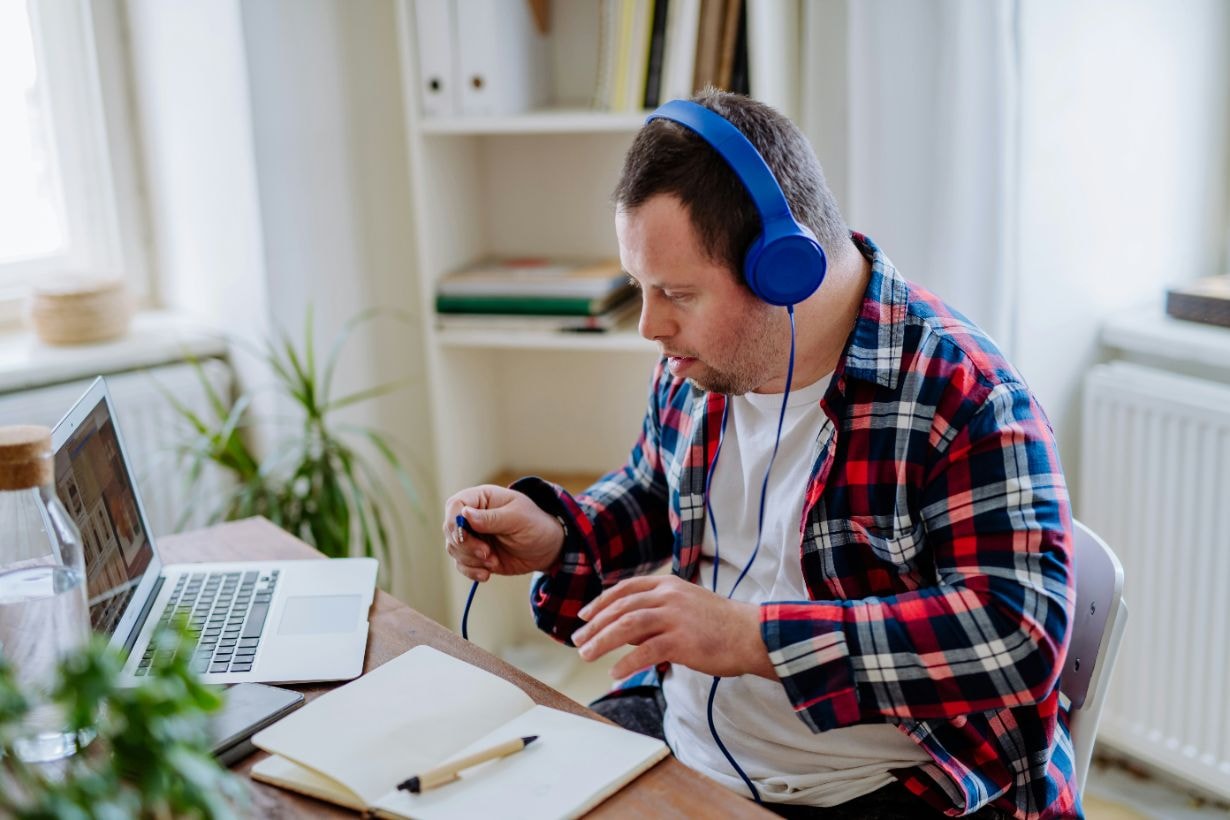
(43, 613)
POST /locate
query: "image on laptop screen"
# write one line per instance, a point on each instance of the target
(94, 486)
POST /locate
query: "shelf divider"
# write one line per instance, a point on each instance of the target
(574, 120)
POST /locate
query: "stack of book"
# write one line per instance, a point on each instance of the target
(537, 293)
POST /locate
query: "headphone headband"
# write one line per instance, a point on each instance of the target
(737, 150)
(785, 264)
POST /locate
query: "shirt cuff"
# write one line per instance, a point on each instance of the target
(572, 580)
(807, 646)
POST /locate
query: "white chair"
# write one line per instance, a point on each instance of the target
(1097, 630)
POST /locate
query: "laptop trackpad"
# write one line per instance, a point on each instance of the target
(320, 614)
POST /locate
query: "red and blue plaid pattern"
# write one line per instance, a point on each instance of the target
(935, 544)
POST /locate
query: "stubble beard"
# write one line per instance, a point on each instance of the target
(753, 352)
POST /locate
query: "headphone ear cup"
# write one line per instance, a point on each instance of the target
(786, 270)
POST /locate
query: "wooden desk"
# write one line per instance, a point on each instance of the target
(669, 789)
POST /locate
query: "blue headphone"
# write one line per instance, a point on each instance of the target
(785, 264)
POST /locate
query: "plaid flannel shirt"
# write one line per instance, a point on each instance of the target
(935, 544)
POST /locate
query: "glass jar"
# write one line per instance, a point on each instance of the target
(43, 612)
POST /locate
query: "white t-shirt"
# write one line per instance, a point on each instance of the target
(756, 721)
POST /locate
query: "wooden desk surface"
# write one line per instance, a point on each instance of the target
(669, 789)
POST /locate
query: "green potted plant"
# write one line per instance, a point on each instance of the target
(321, 481)
(147, 754)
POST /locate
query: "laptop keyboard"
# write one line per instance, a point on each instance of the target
(226, 614)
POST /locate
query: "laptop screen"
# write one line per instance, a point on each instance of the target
(93, 484)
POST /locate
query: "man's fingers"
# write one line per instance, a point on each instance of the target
(486, 497)
(623, 588)
(479, 574)
(615, 609)
(634, 627)
(452, 532)
(472, 501)
(651, 653)
(473, 553)
(481, 520)
(455, 507)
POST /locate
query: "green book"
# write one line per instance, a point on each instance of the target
(535, 276)
(536, 305)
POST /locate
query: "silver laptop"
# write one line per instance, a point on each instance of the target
(267, 621)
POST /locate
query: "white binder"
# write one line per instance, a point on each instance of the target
(502, 58)
(678, 66)
(773, 46)
(433, 23)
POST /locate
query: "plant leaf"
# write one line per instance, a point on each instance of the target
(383, 500)
(339, 341)
(366, 395)
(385, 448)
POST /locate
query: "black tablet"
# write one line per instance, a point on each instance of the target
(249, 708)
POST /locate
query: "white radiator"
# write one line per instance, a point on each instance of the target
(1155, 467)
(151, 430)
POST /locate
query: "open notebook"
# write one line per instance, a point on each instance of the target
(353, 745)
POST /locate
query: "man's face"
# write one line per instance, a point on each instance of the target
(716, 332)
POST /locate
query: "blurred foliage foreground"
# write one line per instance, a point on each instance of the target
(145, 748)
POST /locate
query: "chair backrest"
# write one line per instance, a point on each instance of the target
(1096, 632)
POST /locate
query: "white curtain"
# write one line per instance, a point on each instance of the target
(932, 166)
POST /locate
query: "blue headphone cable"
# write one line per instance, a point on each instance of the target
(465, 614)
(465, 527)
(764, 490)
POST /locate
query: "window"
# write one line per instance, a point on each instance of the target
(61, 208)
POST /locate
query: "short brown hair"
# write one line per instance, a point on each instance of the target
(666, 158)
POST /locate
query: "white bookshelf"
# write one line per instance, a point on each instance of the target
(521, 403)
(626, 341)
(571, 120)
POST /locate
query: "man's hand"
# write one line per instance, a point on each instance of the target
(512, 535)
(670, 620)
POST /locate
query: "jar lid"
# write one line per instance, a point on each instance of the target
(25, 456)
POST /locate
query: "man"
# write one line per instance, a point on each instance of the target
(888, 607)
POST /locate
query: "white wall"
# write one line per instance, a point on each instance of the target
(193, 124)
(824, 109)
(190, 85)
(1120, 184)
(335, 201)
(278, 180)
(931, 123)
(1123, 167)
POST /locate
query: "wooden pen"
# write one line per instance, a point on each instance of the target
(449, 772)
